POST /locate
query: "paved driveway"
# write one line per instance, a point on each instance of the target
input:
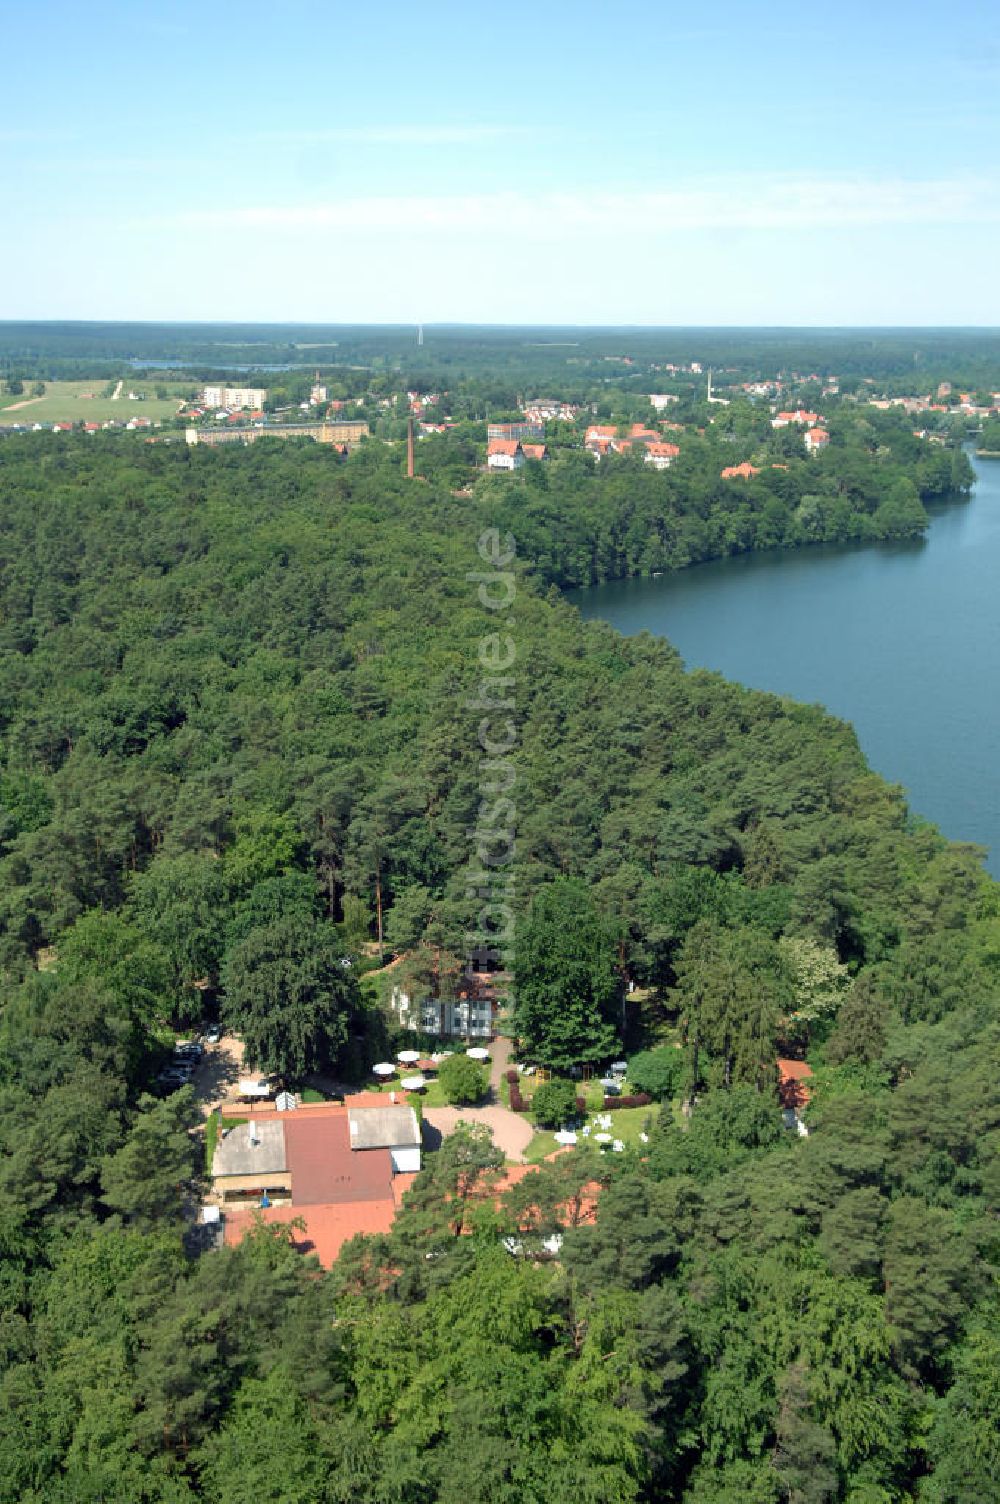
(511, 1133)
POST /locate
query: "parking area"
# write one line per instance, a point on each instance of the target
(217, 1077)
(210, 1065)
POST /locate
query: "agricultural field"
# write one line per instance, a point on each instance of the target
(85, 401)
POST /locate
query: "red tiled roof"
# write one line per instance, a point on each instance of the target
(372, 1098)
(327, 1227)
(502, 446)
(792, 1075)
(533, 451)
(400, 1185)
(671, 450)
(740, 472)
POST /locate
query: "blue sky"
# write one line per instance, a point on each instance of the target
(743, 162)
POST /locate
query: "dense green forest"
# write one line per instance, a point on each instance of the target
(239, 699)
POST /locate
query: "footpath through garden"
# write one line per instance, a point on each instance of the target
(511, 1132)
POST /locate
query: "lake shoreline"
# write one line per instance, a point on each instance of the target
(902, 640)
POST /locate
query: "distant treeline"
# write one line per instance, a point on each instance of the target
(918, 358)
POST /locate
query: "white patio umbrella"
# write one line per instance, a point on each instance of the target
(413, 1083)
(408, 1057)
(384, 1068)
(602, 1138)
(478, 1053)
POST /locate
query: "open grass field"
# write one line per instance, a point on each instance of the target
(82, 401)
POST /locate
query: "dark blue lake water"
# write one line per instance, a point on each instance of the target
(901, 639)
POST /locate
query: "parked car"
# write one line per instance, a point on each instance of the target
(213, 1035)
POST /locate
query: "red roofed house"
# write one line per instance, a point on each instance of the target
(816, 438)
(782, 420)
(333, 1166)
(534, 451)
(793, 1093)
(746, 471)
(504, 454)
(661, 456)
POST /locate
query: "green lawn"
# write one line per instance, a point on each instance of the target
(627, 1123)
(592, 1092)
(431, 1096)
(81, 401)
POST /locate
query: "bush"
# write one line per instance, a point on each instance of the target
(511, 1077)
(554, 1103)
(517, 1102)
(657, 1072)
(581, 1107)
(462, 1080)
(641, 1099)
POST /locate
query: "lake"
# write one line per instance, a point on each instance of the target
(903, 640)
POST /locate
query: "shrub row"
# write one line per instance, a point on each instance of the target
(517, 1102)
(641, 1099)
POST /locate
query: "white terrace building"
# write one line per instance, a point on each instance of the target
(467, 1017)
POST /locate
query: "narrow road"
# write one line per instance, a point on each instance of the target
(500, 1053)
(117, 391)
(15, 407)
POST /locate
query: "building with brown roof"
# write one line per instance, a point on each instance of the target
(331, 1165)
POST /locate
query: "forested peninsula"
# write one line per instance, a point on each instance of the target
(583, 525)
(239, 696)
